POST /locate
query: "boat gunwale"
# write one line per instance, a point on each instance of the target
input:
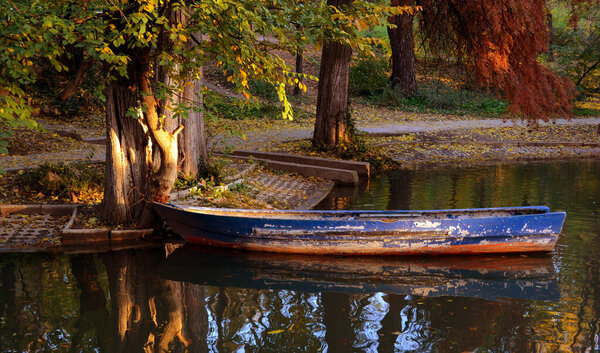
(363, 215)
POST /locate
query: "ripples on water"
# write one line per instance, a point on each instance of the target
(188, 299)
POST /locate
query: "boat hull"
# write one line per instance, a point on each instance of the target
(353, 233)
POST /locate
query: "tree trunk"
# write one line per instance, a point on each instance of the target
(550, 36)
(191, 142)
(132, 181)
(126, 182)
(403, 51)
(72, 86)
(299, 70)
(193, 154)
(332, 98)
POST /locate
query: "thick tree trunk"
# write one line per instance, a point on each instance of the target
(332, 98)
(193, 155)
(126, 183)
(132, 181)
(299, 70)
(403, 51)
(191, 142)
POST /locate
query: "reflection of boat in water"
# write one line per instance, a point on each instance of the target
(466, 231)
(488, 277)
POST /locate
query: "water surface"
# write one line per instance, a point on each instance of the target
(173, 298)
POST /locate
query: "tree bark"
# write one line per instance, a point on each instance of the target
(403, 51)
(77, 80)
(191, 142)
(550, 36)
(299, 70)
(132, 181)
(332, 98)
(128, 152)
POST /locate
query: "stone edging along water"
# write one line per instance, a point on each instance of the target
(70, 236)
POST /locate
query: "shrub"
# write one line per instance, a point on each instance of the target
(369, 75)
(264, 90)
(74, 182)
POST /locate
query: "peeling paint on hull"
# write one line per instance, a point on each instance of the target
(473, 231)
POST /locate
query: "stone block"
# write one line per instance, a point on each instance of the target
(84, 236)
(21, 209)
(362, 168)
(130, 234)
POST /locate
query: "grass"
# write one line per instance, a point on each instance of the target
(218, 106)
(443, 99)
(441, 89)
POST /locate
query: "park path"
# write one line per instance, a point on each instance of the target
(263, 139)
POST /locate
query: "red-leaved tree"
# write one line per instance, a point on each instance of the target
(499, 41)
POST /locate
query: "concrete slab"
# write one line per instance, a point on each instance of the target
(21, 209)
(132, 234)
(84, 236)
(362, 168)
(333, 174)
(58, 210)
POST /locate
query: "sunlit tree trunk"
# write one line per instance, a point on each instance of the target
(132, 182)
(403, 51)
(192, 150)
(126, 183)
(332, 98)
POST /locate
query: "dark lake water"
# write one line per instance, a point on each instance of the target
(178, 298)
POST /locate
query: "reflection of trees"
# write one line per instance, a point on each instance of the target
(93, 314)
(34, 306)
(263, 320)
(336, 318)
(150, 313)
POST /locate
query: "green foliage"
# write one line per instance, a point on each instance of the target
(369, 75)
(218, 106)
(63, 180)
(221, 107)
(576, 45)
(263, 90)
(438, 97)
(378, 32)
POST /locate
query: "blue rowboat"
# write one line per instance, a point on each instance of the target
(489, 277)
(462, 231)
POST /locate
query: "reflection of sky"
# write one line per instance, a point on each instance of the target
(261, 320)
(415, 335)
(366, 315)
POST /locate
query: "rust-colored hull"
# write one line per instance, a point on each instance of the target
(358, 249)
